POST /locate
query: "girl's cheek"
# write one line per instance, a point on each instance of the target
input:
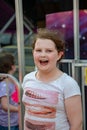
(36, 57)
(36, 54)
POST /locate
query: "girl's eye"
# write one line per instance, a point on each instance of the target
(38, 50)
(49, 50)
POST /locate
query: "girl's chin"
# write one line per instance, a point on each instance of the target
(41, 68)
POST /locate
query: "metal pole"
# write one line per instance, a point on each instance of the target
(7, 24)
(76, 29)
(7, 89)
(82, 65)
(20, 44)
(83, 97)
(20, 38)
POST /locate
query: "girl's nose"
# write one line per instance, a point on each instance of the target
(43, 53)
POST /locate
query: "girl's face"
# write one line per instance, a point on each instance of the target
(13, 69)
(46, 55)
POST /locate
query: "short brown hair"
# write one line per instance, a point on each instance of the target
(53, 35)
(6, 62)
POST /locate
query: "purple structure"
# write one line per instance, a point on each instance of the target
(6, 12)
(63, 22)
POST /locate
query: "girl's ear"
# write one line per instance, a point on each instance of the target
(13, 68)
(60, 55)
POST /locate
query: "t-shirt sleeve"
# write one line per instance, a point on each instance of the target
(71, 88)
(24, 81)
(28, 77)
(3, 89)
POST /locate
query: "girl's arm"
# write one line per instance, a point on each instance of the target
(74, 112)
(4, 103)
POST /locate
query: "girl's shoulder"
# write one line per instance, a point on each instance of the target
(67, 77)
(29, 75)
(68, 81)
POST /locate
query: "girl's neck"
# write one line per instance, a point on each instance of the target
(48, 76)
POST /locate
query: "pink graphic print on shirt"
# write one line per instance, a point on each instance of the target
(40, 104)
(15, 95)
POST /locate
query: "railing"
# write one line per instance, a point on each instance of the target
(78, 70)
(19, 98)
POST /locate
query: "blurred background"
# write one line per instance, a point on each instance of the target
(19, 21)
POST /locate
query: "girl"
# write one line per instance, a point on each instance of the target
(7, 66)
(52, 98)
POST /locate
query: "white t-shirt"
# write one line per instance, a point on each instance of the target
(44, 102)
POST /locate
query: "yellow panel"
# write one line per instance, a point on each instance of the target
(86, 76)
